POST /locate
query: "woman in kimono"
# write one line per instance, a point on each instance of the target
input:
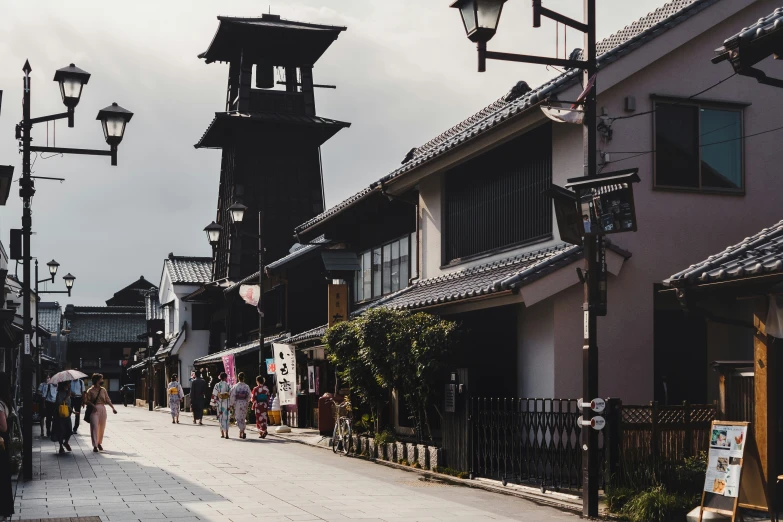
(176, 395)
(261, 406)
(221, 396)
(62, 429)
(240, 396)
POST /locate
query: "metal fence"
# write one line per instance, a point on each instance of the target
(528, 440)
(538, 440)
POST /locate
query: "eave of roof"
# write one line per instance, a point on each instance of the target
(758, 255)
(769, 27)
(313, 129)
(309, 335)
(610, 50)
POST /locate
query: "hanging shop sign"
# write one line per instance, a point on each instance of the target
(228, 367)
(311, 378)
(270, 366)
(285, 372)
(338, 303)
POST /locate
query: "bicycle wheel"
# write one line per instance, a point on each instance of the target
(347, 440)
(336, 437)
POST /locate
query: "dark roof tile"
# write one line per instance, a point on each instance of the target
(189, 270)
(108, 324)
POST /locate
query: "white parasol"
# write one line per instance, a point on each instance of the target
(66, 376)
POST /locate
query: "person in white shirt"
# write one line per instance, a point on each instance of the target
(49, 395)
(77, 390)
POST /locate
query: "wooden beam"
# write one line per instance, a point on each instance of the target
(765, 407)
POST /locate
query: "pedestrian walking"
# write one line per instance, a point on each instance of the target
(221, 395)
(198, 394)
(6, 489)
(49, 394)
(62, 428)
(176, 395)
(96, 400)
(77, 391)
(261, 406)
(239, 399)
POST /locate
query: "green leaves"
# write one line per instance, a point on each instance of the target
(386, 349)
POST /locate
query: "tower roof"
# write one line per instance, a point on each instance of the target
(270, 39)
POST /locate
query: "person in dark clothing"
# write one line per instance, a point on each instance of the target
(77, 390)
(62, 429)
(198, 394)
(49, 394)
(6, 491)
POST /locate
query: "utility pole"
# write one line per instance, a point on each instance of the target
(593, 251)
(260, 305)
(27, 189)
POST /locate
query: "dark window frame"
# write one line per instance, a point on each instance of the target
(738, 107)
(381, 247)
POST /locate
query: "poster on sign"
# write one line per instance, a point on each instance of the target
(311, 378)
(228, 367)
(285, 371)
(270, 366)
(722, 481)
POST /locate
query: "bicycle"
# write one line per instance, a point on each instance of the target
(341, 437)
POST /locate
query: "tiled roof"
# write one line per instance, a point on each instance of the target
(761, 254)
(143, 364)
(166, 350)
(242, 349)
(498, 276)
(110, 324)
(766, 26)
(189, 270)
(296, 252)
(609, 50)
(480, 280)
(49, 317)
(309, 335)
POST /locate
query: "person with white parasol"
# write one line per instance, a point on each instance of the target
(62, 429)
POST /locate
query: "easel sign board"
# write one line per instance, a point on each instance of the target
(724, 468)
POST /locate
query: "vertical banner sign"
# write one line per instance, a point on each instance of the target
(338, 303)
(317, 379)
(27, 344)
(311, 378)
(228, 365)
(601, 277)
(285, 371)
(270, 366)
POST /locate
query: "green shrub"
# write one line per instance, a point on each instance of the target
(416, 465)
(403, 462)
(450, 471)
(385, 437)
(617, 497)
(365, 424)
(657, 505)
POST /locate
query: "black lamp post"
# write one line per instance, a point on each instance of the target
(72, 81)
(481, 18)
(237, 212)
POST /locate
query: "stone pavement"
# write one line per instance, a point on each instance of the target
(154, 470)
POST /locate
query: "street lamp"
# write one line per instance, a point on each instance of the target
(71, 80)
(113, 120)
(213, 231)
(53, 266)
(481, 18)
(237, 211)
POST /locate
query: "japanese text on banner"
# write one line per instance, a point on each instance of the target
(285, 371)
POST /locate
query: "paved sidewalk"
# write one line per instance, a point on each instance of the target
(154, 470)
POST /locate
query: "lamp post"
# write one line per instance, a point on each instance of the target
(150, 342)
(71, 80)
(68, 279)
(237, 212)
(481, 19)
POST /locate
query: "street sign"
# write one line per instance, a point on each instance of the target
(27, 344)
(597, 405)
(597, 423)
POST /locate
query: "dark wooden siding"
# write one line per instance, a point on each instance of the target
(498, 199)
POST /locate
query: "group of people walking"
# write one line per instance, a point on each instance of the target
(225, 398)
(66, 398)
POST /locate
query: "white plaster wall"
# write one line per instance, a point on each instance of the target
(535, 356)
(430, 193)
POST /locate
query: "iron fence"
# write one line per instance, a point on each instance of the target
(528, 440)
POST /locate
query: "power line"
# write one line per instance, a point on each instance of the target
(612, 120)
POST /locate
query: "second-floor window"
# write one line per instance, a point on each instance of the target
(498, 200)
(384, 269)
(698, 147)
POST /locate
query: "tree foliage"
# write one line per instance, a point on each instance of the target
(385, 350)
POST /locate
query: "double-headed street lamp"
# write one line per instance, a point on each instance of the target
(481, 19)
(213, 230)
(68, 279)
(113, 119)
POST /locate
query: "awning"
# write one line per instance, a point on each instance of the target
(242, 349)
(143, 364)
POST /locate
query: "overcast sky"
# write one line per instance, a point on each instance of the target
(405, 72)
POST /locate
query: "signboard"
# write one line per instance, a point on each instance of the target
(728, 441)
(27, 344)
(318, 379)
(602, 288)
(228, 367)
(311, 378)
(285, 371)
(270, 366)
(338, 303)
